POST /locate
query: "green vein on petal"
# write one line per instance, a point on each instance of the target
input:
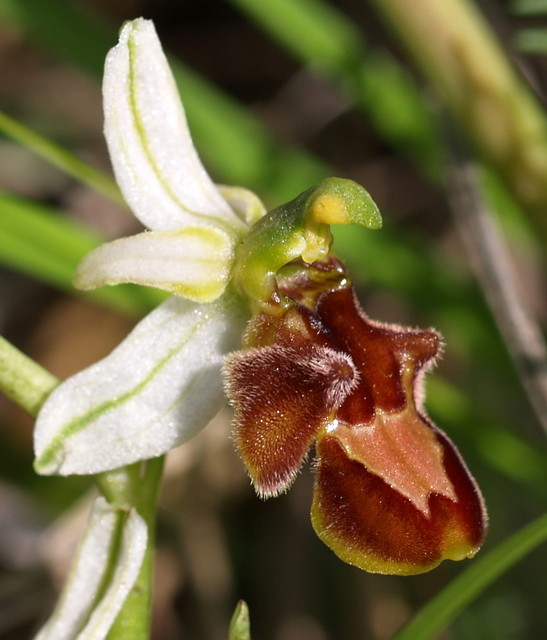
(192, 262)
(155, 162)
(137, 120)
(175, 353)
(49, 456)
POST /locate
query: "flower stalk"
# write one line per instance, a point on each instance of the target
(133, 621)
(130, 497)
(24, 380)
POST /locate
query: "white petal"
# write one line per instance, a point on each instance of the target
(156, 165)
(193, 262)
(89, 567)
(245, 203)
(156, 390)
(131, 555)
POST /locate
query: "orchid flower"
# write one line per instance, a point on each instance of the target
(392, 494)
(305, 365)
(163, 383)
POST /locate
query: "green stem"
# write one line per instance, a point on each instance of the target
(23, 380)
(139, 485)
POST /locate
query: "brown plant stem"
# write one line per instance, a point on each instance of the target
(496, 273)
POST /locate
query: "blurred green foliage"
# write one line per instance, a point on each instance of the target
(477, 396)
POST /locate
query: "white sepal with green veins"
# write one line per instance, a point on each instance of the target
(95, 591)
(189, 250)
(163, 383)
(157, 389)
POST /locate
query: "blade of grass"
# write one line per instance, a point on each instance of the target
(528, 7)
(60, 25)
(40, 226)
(315, 31)
(454, 598)
(490, 256)
(61, 158)
(531, 40)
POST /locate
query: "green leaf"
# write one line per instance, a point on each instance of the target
(312, 29)
(528, 7)
(454, 598)
(320, 36)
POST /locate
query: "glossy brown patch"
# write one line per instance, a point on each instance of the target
(304, 283)
(369, 524)
(392, 494)
(470, 509)
(381, 354)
